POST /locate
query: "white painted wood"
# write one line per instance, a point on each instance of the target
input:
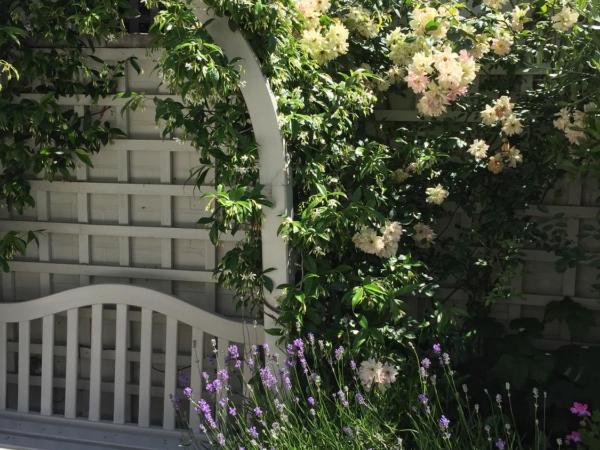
(118, 230)
(107, 387)
(83, 215)
(274, 167)
(72, 356)
(273, 173)
(114, 271)
(3, 365)
(145, 368)
(170, 373)
(95, 363)
(107, 354)
(195, 374)
(150, 145)
(166, 215)
(47, 391)
(23, 385)
(43, 240)
(210, 263)
(121, 327)
(120, 189)
(31, 431)
(8, 286)
(140, 297)
(124, 208)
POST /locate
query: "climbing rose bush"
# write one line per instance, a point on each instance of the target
(385, 212)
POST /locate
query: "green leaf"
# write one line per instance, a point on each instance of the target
(363, 322)
(358, 294)
(432, 25)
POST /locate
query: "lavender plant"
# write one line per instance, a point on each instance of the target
(317, 396)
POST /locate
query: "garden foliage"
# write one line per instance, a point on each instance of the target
(506, 98)
(319, 397)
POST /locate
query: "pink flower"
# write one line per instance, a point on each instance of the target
(574, 436)
(453, 93)
(464, 55)
(417, 81)
(580, 409)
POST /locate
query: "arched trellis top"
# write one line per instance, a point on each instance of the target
(274, 169)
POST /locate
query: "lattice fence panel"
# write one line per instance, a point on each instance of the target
(131, 218)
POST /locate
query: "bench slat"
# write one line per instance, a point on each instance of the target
(23, 385)
(145, 368)
(95, 364)
(170, 374)
(47, 390)
(121, 325)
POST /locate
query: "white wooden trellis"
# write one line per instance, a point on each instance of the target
(110, 202)
(131, 219)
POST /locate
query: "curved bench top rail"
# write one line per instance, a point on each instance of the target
(135, 296)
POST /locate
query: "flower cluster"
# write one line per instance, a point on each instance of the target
(323, 44)
(402, 47)
(312, 10)
(580, 409)
(502, 42)
(384, 245)
(502, 111)
(440, 76)
(436, 194)
(565, 19)
(508, 155)
(518, 18)
(360, 20)
(495, 4)
(424, 235)
(436, 72)
(582, 412)
(374, 373)
(572, 122)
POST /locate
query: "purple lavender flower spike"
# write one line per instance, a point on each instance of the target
(233, 351)
(204, 407)
(342, 396)
(444, 422)
(267, 377)
(223, 375)
(437, 348)
(252, 431)
(360, 399)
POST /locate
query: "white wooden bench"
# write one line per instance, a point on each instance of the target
(128, 308)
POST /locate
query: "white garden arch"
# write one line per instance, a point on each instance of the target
(128, 220)
(274, 167)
